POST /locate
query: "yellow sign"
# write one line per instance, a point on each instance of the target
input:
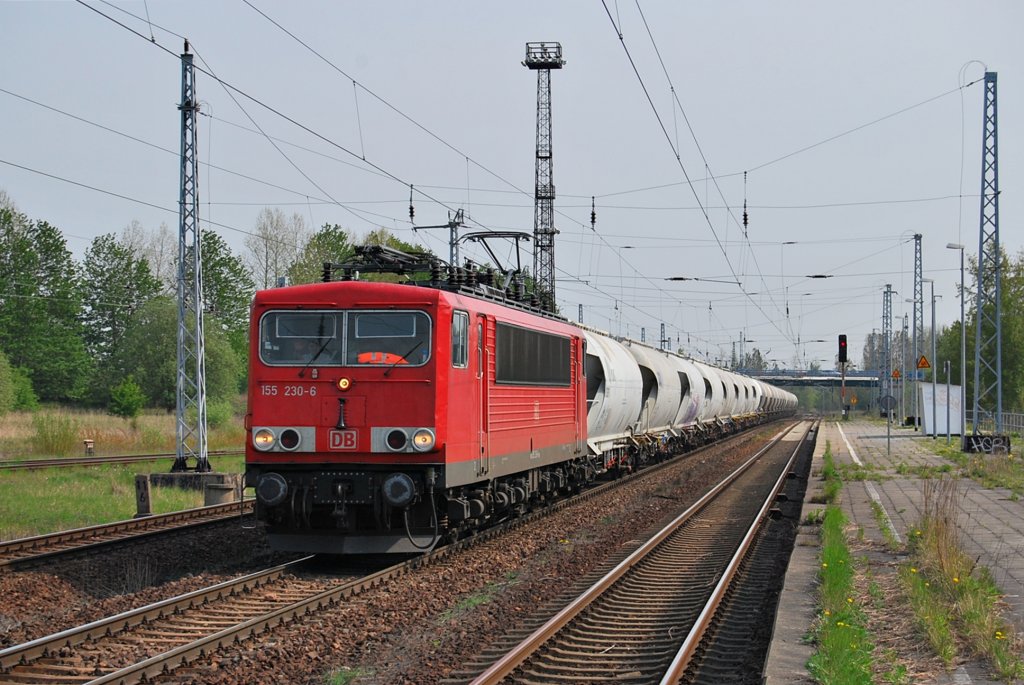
(853, 400)
(896, 374)
(922, 363)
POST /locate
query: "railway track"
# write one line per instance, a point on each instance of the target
(140, 645)
(30, 550)
(642, 622)
(32, 464)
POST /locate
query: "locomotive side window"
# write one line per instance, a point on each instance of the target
(526, 357)
(460, 339)
(387, 338)
(299, 338)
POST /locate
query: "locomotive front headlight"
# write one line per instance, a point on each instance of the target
(263, 439)
(344, 384)
(423, 440)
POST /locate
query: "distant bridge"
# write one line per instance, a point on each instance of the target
(814, 378)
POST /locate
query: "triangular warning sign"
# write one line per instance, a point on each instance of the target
(896, 374)
(922, 363)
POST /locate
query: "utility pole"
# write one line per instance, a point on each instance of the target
(918, 323)
(886, 345)
(190, 431)
(543, 57)
(988, 345)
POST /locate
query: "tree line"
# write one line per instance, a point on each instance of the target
(947, 342)
(102, 332)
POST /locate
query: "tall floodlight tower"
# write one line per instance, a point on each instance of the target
(918, 334)
(542, 58)
(988, 341)
(190, 432)
(887, 342)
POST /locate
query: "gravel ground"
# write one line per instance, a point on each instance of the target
(84, 587)
(421, 627)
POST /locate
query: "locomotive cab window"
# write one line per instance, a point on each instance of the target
(460, 339)
(300, 338)
(388, 338)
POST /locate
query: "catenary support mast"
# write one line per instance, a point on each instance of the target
(190, 432)
(988, 341)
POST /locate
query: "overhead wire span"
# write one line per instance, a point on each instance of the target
(679, 162)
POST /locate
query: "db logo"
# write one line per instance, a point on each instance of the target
(343, 440)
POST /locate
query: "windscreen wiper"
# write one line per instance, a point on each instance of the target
(323, 346)
(403, 358)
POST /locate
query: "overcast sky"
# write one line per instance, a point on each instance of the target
(442, 101)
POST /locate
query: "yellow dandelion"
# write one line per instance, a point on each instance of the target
(827, 612)
(999, 635)
(849, 600)
(917, 533)
(840, 623)
(913, 570)
(824, 564)
(927, 584)
(955, 579)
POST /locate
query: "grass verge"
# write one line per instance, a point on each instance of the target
(57, 432)
(955, 601)
(47, 500)
(844, 645)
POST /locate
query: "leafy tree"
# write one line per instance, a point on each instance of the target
(24, 396)
(149, 354)
(228, 289)
(40, 304)
(331, 243)
(274, 246)
(126, 399)
(117, 283)
(6, 385)
(754, 361)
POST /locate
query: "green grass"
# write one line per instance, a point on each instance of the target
(470, 602)
(955, 601)
(48, 500)
(345, 675)
(844, 645)
(59, 432)
(990, 470)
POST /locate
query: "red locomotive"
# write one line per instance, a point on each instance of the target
(387, 417)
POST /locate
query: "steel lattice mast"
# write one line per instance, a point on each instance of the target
(543, 57)
(988, 341)
(918, 334)
(190, 432)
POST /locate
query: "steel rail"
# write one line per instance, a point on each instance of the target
(184, 654)
(686, 651)
(30, 464)
(21, 551)
(518, 654)
(41, 647)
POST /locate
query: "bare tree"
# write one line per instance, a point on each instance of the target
(275, 245)
(159, 248)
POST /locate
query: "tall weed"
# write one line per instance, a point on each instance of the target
(56, 434)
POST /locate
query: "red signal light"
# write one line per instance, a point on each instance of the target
(842, 349)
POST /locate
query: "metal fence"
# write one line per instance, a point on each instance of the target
(1012, 423)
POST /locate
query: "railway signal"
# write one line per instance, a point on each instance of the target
(842, 348)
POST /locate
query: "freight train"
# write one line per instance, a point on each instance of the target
(388, 417)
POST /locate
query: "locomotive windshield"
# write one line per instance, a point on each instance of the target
(345, 338)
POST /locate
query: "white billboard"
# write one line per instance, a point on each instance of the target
(955, 401)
